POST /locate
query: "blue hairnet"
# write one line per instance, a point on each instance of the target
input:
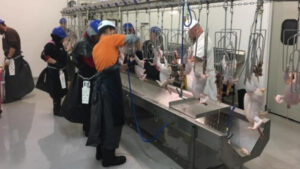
(155, 30)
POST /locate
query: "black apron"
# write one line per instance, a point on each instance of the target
(107, 111)
(49, 82)
(20, 84)
(72, 107)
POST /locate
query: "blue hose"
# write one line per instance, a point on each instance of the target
(155, 137)
(230, 116)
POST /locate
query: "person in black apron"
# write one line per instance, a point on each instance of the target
(107, 112)
(77, 106)
(156, 41)
(18, 76)
(53, 78)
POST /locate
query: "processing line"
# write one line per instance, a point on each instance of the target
(197, 136)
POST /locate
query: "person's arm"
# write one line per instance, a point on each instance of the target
(46, 55)
(11, 52)
(51, 61)
(12, 38)
(120, 40)
(133, 39)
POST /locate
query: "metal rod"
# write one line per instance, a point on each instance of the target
(136, 19)
(172, 18)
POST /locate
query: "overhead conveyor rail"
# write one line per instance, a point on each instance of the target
(113, 6)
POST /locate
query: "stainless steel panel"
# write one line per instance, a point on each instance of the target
(192, 107)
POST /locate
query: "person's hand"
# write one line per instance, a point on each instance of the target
(69, 84)
(123, 68)
(191, 60)
(138, 45)
(6, 62)
(59, 65)
(131, 59)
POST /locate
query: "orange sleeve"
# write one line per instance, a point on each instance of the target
(118, 40)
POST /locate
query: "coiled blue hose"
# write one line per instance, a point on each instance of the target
(190, 14)
(155, 137)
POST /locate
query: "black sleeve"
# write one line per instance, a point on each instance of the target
(48, 51)
(12, 39)
(139, 54)
(70, 68)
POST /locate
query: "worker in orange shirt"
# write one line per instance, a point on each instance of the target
(107, 112)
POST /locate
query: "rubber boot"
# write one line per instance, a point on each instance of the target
(109, 158)
(98, 153)
(86, 126)
(57, 107)
(85, 129)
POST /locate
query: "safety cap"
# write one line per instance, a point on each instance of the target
(63, 20)
(60, 32)
(105, 23)
(95, 24)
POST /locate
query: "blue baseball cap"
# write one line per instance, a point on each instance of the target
(94, 24)
(60, 32)
(1, 21)
(63, 20)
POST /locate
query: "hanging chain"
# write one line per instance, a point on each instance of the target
(127, 15)
(199, 16)
(261, 11)
(136, 19)
(172, 10)
(162, 20)
(231, 19)
(206, 39)
(199, 12)
(157, 16)
(149, 15)
(225, 28)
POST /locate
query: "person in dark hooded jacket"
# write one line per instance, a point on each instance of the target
(77, 106)
(53, 78)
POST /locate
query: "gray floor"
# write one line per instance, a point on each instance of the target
(31, 138)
